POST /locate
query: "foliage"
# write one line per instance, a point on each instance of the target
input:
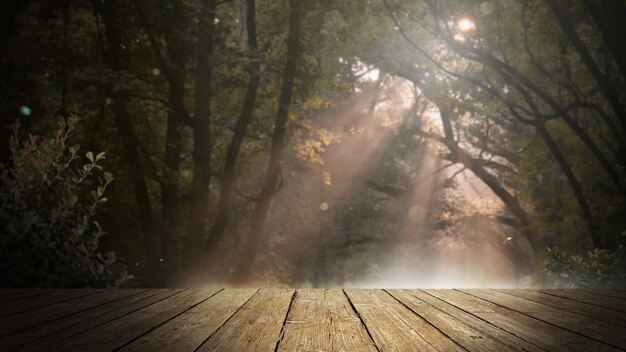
(48, 198)
(363, 170)
(600, 268)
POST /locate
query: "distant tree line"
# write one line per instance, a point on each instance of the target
(250, 140)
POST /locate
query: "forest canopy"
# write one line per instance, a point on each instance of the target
(393, 143)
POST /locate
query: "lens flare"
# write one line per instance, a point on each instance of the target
(26, 110)
(466, 25)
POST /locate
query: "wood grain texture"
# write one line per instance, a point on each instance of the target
(312, 320)
(590, 298)
(47, 334)
(592, 328)
(608, 292)
(54, 311)
(560, 303)
(119, 332)
(510, 340)
(394, 327)
(530, 329)
(322, 320)
(256, 326)
(465, 334)
(54, 296)
(7, 295)
(189, 330)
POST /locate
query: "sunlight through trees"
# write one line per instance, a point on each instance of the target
(426, 143)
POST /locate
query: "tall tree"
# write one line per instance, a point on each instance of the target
(610, 17)
(112, 57)
(201, 155)
(601, 79)
(228, 173)
(171, 60)
(279, 141)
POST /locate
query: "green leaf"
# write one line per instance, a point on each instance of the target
(89, 156)
(108, 177)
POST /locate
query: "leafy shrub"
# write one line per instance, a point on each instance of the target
(601, 268)
(48, 198)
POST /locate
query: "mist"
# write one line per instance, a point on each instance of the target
(256, 143)
(367, 211)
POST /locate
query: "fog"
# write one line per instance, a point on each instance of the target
(378, 207)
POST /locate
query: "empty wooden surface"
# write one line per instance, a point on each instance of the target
(312, 320)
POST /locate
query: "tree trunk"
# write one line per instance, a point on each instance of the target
(610, 17)
(490, 181)
(123, 124)
(600, 78)
(556, 152)
(228, 173)
(519, 81)
(199, 192)
(170, 187)
(554, 149)
(574, 184)
(279, 141)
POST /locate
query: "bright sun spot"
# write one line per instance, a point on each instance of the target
(466, 25)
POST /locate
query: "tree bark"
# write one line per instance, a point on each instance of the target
(122, 119)
(279, 141)
(199, 192)
(600, 78)
(558, 154)
(491, 181)
(560, 157)
(170, 187)
(574, 184)
(610, 18)
(519, 81)
(228, 173)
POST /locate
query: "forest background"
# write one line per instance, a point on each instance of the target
(371, 143)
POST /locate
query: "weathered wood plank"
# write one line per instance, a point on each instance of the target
(465, 334)
(584, 309)
(54, 296)
(189, 330)
(124, 330)
(589, 327)
(530, 329)
(590, 298)
(7, 295)
(512, 341)
(610, 292)
(323, 320)
(25, 320)
(47, 334)
(313, 320)
(256, 326)
(394, 327)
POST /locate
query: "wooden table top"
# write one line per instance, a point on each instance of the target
(275, 319)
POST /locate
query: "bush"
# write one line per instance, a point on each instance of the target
(599, 269)
(48, 198)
